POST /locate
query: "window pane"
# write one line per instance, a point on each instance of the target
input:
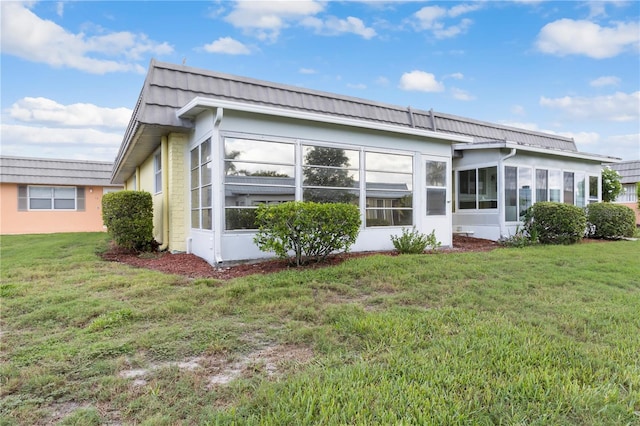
(239, 168)
(389, 217)
(195, 178)
(206, 219)
(40, 192)
(436, 173)
(205, 151)
(195, 218)
(206, 196)
(248, 195)
(247, 150)
(580, 190)
(325, 176)
(593, 188)
(541, 185)
(511, 194)
(525, 181)
(322, 195)
(40, 203)
(555, 186)
(195, 157)
(488, 188)
(205, 172)
(334, 157)
(64, 193)
(64, 204)
(436, 201)
(389, 162)
(467, 189)
(240, 218)
(568, 188)
(388, 181)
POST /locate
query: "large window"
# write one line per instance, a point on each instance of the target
(555, 186)
(478, 188)
(330, 175)
(51, 198)
(525, 189)
(436, 176)
(201, 193)
(580, 190)
(594, 185)
(511, 194)
(389, 189)
(256, 172)
(542, 185)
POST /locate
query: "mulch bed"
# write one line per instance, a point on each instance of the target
(192, 266)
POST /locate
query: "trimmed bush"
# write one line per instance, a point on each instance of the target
(414, 242)
(555, 223)
(128, 216)
(610, 221)
(310, 230)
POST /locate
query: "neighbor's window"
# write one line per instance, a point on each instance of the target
(436, 175)
(389, 189)
(51, 198)
(255, 172)
(157, 168)
(478, 188)
(594, 185)
(330, 175)
(569, 188)
(201, 193)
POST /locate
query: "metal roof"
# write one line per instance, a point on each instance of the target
(48, 171)
(169, 87)
(629, 171)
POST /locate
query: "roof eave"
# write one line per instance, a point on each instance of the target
(199, 104)
(549, 151)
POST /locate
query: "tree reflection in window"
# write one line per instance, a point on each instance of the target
(329, 175)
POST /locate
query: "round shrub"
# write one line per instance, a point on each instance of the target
(555, 223)
(128, 216)
(611, 221)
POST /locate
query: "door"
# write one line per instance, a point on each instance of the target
(436, 207)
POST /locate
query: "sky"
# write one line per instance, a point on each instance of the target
(72, 71)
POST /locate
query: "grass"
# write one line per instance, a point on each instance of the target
(539, 335)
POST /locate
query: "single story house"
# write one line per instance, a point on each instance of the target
(629, 172)
(211, 146)
(43, 195)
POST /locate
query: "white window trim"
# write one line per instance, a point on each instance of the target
(52, 209)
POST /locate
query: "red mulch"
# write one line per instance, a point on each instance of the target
(192, 266)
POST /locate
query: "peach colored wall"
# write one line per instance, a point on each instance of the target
(634, 207)
(13, 221)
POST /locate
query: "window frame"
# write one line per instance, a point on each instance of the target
(157, 171)
(480, 188)
(78, 198)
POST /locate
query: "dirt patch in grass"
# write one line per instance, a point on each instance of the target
(192, 266)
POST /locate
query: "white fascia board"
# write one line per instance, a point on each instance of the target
(539, 150)
(197, 104)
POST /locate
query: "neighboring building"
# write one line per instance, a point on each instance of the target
(39, 195)
(629, 177)
(211, 146)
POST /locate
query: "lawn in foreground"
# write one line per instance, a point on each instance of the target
(541, 335)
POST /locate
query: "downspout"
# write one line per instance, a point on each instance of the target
(164, 154)
(501, 191)
(137, 178)
(217, 238)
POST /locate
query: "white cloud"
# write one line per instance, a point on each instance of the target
(518, 110)
(420, 81)
(46, 111)
(432, 18)
(307, 71)
(29, 37)
(265, 19)
(569, 37)
(60, 8)
(461, 95)
(382, 81)
(618, 107)
(457, 76)
(335, 26)
(227, 45)
(626, 146)
(359, 86)
(607, 80)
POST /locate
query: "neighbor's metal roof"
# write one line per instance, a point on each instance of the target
(169, 87)
(629, 171)
(48, 171)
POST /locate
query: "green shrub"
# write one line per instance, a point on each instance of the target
(310, 230)
(414, 242)
(611, 186)
(610, 221)
(519, 239)
(128, 216)
(638, 193)
(555, 223)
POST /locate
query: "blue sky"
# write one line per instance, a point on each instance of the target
(71, 71)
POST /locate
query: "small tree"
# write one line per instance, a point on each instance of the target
(611, 186)
(128, 216)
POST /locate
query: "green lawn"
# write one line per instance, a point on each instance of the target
(539, 335)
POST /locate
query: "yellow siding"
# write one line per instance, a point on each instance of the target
(178, 191)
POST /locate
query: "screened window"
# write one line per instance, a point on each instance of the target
(389, 189)
(555, 186)
(157, 168)
(330, 175)
(478, 188)
(256, 172)
(542, 185)
(52, 198)
(580, 190)
(436, 175)
(201, 192)
(594, 185)
(511, 194)
(569, 188)
(525, 183)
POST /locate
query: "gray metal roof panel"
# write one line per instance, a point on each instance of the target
(629, 171)
(47, 171)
